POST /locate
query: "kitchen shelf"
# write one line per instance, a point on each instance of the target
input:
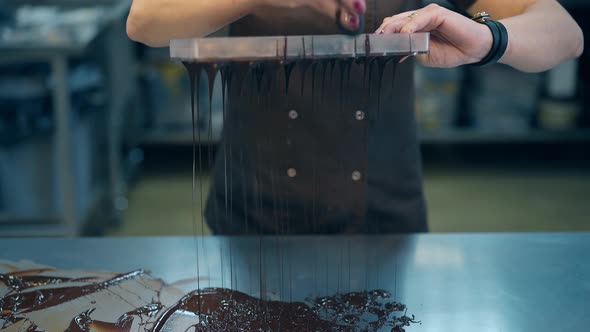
(458, 136)
(473, 136)
(179, 136)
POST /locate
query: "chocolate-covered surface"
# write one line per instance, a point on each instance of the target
(52, 300)
(458, 282)
(37, 300)
(227, 310)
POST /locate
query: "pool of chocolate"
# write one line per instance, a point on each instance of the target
(47, 299)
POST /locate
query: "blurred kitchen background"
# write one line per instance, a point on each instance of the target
(95, 133)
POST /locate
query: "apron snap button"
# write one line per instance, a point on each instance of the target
(360, 115)
(356, 176)
(293, 114)
(291, 172)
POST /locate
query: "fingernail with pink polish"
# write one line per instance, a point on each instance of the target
(359, 7)
(353, 21)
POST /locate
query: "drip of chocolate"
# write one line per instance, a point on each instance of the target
(35, 295)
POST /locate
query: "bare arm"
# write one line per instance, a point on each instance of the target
(156, 22)
(541, 32)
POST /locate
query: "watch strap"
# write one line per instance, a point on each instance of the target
(499, 40)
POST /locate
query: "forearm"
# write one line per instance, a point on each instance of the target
(156, 22)
(540, 37)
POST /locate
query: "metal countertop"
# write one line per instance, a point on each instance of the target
(463, 282)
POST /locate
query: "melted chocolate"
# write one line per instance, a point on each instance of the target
(226, 310)
(84, 323)
(288, 68)
(213, 309)
(35, 300)
(218, 309)
(19, 283)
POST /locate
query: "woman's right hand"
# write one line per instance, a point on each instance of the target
(156, 22)
(348, 11)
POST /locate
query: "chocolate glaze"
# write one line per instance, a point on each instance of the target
(213, 309)
(220, 309)
(85, 323)
(303, 66)
(26, 327)
(35, 300)
(225, 310)
(367, 45)
(288, 68)
(19, 283)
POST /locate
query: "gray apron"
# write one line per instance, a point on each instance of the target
(338, 154)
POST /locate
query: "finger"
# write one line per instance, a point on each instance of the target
(393, 27)
(358, 7)
(425, 20)
(389, 20)
(350, 21)
(351, 11)
(343, 11)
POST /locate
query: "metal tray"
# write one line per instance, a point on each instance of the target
(297, 47)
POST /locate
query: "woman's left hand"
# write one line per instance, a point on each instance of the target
(454, 39)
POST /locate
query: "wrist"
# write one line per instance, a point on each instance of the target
(499, 40)
(509, 49)
(486, 41)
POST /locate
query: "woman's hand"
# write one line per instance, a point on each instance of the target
(156, 22)
(347, 11)
(454, 39)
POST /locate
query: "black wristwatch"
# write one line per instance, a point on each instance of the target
(500, 39)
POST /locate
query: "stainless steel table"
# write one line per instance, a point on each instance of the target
(486, 282)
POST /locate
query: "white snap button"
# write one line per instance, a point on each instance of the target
(360, 115)
(356, 176)
(293, 114)
(291, 172)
